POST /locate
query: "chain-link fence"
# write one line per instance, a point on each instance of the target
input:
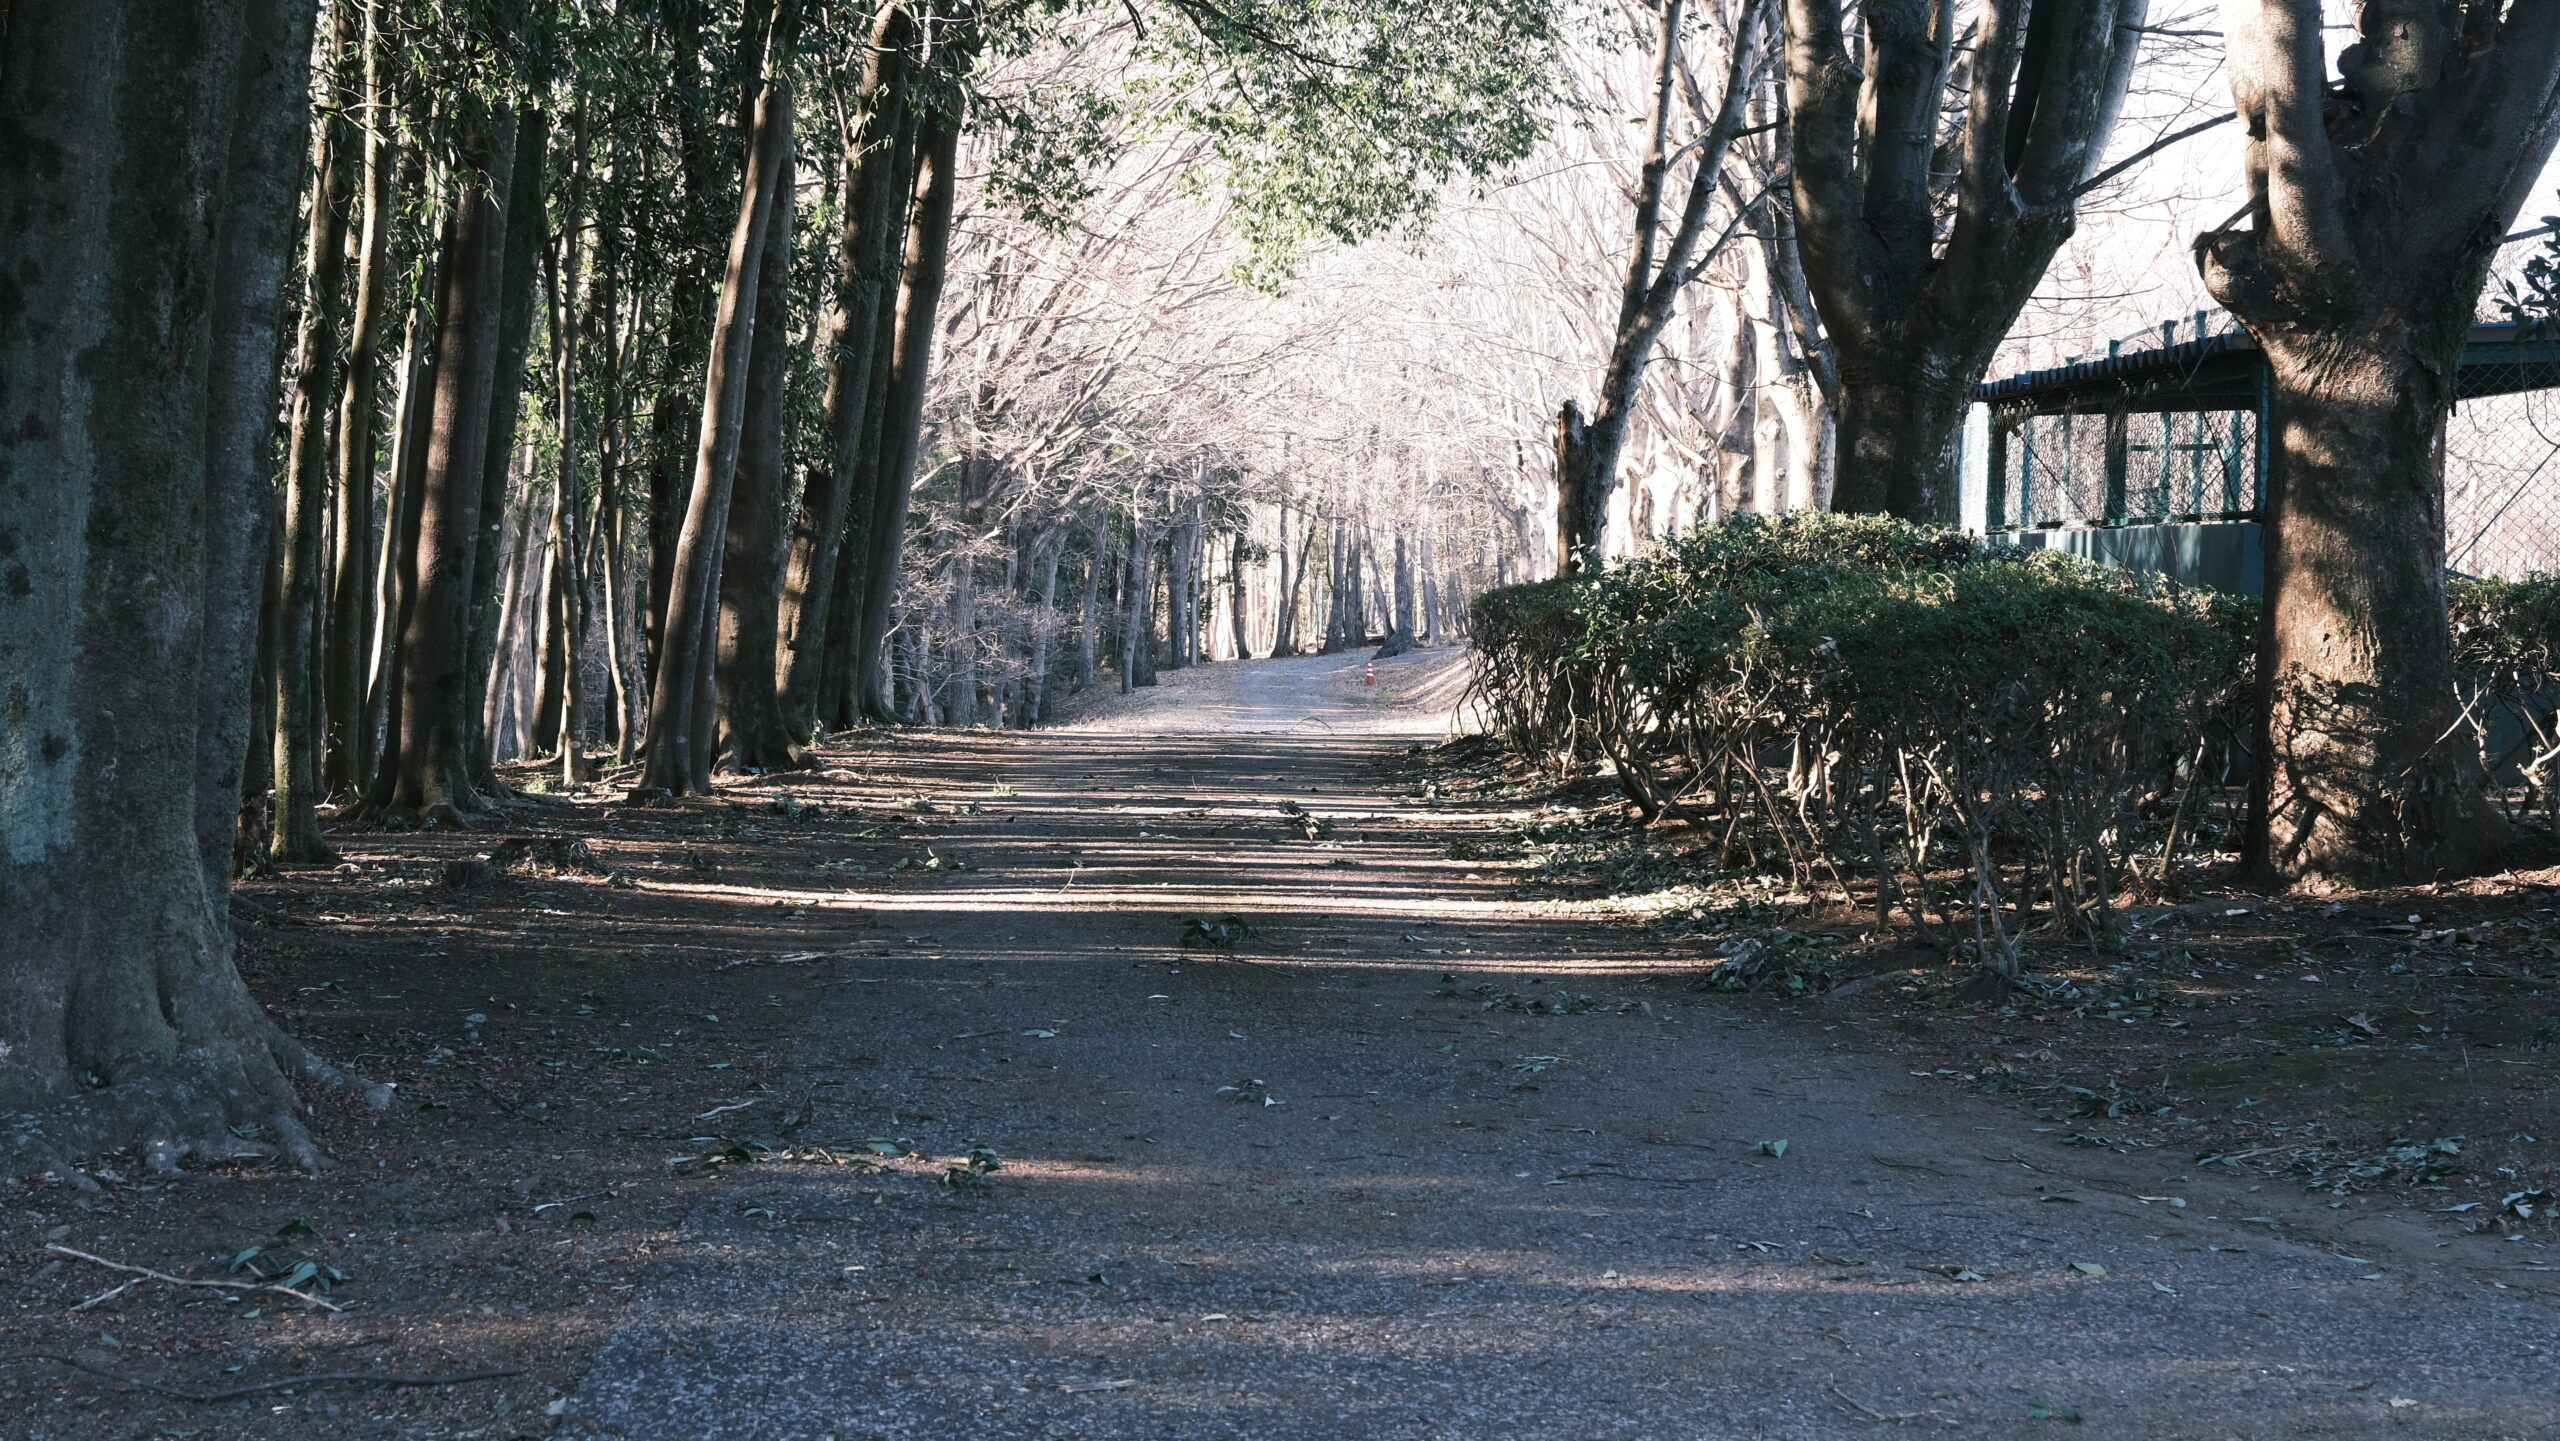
(2129, 467)
(2502, 485)
(2171, 433)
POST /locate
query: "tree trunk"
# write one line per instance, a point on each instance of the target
(1400, 626)
(676, 716)
(753, 734)
(1236, 556)
(520, 258)
(2369, 787)
(426, 775)
(295, 833)
(346, 763)
(693, 290)
(2375, 208)
(1659, 269)
(837, 498)
(1917, 300)
(1901, 426)
(928, 254)
(149, 196)
(393, 561)
(1088, 614)
(1138, 629)
(1035, 696)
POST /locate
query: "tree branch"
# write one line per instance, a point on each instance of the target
(2147, 151)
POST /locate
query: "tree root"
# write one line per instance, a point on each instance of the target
(207, 1398)
(211, 1103)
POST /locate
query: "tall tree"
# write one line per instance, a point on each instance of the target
(752, 734)
(839, 487)
(1925, 225)
(427, 771)
(1660, 269)
(146, 216)
(674, 759)
(301, 576)
(350, 611)
(519, 259)
(2375, 206)
(928, 258)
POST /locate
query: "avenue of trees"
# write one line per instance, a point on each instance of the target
(393, 389)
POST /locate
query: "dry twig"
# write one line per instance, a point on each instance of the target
(146, 1273)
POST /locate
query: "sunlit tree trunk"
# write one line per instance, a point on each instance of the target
(351, 622)
(519, 262)
(2375, 208)
(837, 500)
(928, 255)
(672, 758)
(753, 735)
(1659, 268)
(426, 773)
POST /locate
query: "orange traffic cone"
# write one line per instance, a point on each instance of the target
(1369, 673)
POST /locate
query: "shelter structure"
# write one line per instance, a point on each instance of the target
(2154, 456)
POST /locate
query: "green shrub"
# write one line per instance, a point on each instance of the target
(2506, 657)
(1969, 727)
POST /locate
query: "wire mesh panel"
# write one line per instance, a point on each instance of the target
(2114, 468)
(2058, 470)
(2190, 464)
(2502, 485)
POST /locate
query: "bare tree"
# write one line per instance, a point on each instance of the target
(1925, 224)
(1659, 269)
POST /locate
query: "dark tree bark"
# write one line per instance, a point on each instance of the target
(875, 191)
(426, 774)
(519, 265)
(146, 215)
(1916, 302)
(393, 592)
(679, 715)
(1659, 269)
(1182, 622)
(960, 679)
(2375, 207)
(753, 736)
(1050, 549)
(1088, 607)
(346, 763)
(928, 254)
(301, 576)
(566, 570)
(694, 292)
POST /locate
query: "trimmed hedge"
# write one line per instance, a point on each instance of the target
(1976, 730)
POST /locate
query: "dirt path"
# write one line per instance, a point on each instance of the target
(1291, 1192)
(1412, 695)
